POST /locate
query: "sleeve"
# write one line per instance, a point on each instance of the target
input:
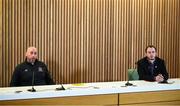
(142, 74)
(49, 80)
(15, 81)
(164, 71)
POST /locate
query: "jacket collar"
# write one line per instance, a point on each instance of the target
(31, 63)
(147, 61)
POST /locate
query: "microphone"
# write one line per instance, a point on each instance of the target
(164, 81)
(32, 89)
(60, 88)
(130, 76)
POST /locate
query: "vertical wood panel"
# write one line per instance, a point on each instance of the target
(88, 40)
(1, 38)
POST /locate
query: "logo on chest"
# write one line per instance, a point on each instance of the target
(26, 70)
(40, 69)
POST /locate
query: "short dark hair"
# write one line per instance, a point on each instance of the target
(150, 46)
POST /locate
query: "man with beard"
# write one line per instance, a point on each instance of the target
(151, 67)
(31, 67)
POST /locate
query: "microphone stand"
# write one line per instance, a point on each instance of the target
(32, 89)
(60, 88)
(128, 83)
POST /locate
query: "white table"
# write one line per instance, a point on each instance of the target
(110, 92)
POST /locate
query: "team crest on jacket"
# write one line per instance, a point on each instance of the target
(40, 69)
(26, 70)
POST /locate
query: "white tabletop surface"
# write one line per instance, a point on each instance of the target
(82, 89)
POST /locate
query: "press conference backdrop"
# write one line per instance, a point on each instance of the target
(88, 40)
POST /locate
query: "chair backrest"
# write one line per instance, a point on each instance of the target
(133, 74)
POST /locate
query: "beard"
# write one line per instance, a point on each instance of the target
(152, 58)
(31, 60)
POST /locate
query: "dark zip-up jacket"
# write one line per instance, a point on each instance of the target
(23, 74)
(144, 72)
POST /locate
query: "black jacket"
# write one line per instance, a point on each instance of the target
(144, 72)
(23, 74)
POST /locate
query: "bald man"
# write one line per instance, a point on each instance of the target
(23, 72)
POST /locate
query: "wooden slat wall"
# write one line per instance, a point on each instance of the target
(88, 40)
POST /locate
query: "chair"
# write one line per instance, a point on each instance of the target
(133, 74)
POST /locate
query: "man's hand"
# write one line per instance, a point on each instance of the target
(159, 78)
